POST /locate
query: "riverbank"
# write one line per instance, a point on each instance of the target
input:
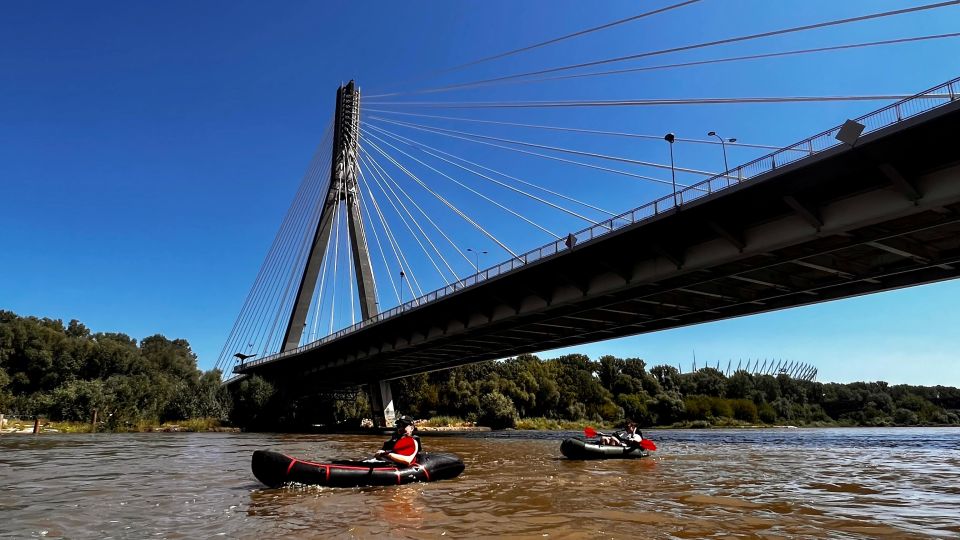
(548, 424)
(452, 429)
(29, 427)
(433, 426)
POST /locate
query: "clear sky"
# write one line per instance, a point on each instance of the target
(148, 152)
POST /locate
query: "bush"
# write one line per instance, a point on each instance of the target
(767, 414)
(446, 421)
(697, 407)
(668, 407)
(251, 398)
(610, 411)
(76, 400)
(744, 409)
(706, 407)
(905, 417)
(199, 424)
(497, 411)
(540, 423)
(720, 408)
(635, 408)
(577, 411)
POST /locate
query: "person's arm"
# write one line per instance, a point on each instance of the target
(387, 447)
(632, 440)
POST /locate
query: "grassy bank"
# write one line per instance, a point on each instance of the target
(193, 425)
(536, 423)
(551, 424)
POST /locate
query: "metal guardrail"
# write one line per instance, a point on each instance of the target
(895, 113)
(231, 380)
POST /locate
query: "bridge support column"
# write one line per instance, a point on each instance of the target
(381, 402)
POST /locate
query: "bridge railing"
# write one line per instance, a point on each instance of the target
(904, 109)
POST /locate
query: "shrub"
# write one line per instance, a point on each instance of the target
(577, 411)
(539, 423)
(767, 414)
(905, 417)
(497, 411)
(720, 408)
(697, 407)
(446, 421)
(744, 409)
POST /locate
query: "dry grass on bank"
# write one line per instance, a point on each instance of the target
(143, 426)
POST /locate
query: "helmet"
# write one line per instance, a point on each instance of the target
(405, 420)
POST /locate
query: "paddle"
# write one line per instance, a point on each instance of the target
(646, 444)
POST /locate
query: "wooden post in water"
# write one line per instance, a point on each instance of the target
(1, 423)
(93, 423)
(36, 425)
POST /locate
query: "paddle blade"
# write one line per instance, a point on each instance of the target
(647, 444)
(589, 432)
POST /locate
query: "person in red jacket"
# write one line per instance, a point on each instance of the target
(404, 446)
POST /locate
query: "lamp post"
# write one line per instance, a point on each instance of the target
(476, 258)
(402, 275)
(723, 144)
(669, 137)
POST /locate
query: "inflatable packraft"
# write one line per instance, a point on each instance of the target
(275, 469)
(580, 448)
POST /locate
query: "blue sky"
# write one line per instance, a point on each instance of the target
(148, 153)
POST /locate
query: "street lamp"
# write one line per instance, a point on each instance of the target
(669, 137)
(476, 258)
(402, 275)
(723, 144)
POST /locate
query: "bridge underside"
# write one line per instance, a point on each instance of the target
(880, 216)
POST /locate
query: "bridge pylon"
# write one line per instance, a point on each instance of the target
(342, 189)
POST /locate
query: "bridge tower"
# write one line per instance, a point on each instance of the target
(342, 189)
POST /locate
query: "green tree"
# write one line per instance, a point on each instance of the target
(6, 397)
(746, 410)
(709, 382)
(609, 369)
(740, 385)
(172, 357)
(668, 407)
(767, 413)
(251, 400)
(76, 400)
(667, 376)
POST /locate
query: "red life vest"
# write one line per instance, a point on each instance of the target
(408, 447)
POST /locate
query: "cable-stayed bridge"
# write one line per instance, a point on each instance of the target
(867, 206)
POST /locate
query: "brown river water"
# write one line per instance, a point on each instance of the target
(769, 483)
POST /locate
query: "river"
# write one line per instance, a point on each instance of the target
(762, 483)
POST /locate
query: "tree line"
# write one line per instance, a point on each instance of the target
(610, 389)
(65, 372)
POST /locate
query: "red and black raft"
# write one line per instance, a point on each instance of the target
(275, 469)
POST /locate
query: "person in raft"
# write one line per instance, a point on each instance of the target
(629, 436)
(404, 445)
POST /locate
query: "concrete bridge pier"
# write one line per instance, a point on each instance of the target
(381, 403)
